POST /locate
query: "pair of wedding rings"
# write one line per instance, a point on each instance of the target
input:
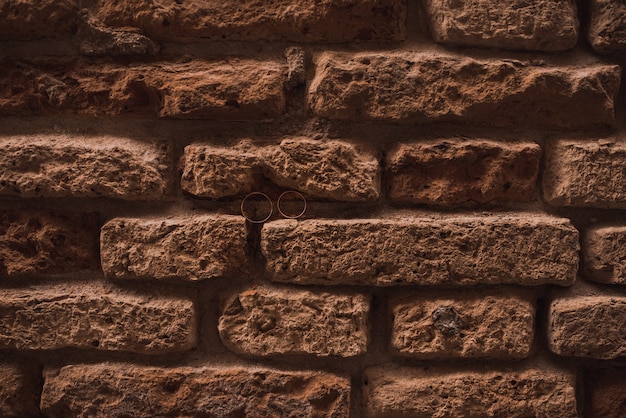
(263, 209)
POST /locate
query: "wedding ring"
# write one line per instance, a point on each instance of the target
(287, 194)
(256, 219)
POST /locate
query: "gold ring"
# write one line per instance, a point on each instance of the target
(285, 194)
(256, 221)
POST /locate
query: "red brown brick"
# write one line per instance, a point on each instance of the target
(264, 321)
(433, 249)
(61, 166)
(105, 390)
(26, 20)
(404, 392)
(455, 171)
(466, 325)
(237, 89)
(544, 25)
(19, 390)
(606, 393)
(324, 20)
(607, 26)
(323, 169)
(188, 248)
(604, 254)
(411, 87)
(43, 242)
(95, 317)
(588, 326)
(585, 173)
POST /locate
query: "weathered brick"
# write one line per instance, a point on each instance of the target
(417, 393)
(450, 172)
(604, 254)
(57, 166)
(95, 317)
(106, 390)
(521, 248)
(47, 242)
(237, 89)
(24, 20)
(588, 326)
(324, 169)
(543, 25)
(265, 321)
(98, 40)
(189, 248)
(410, 87)
(468, 325)
(607, 26)
(606, 393)
(324, 20)
(19, 390)
(585, 173)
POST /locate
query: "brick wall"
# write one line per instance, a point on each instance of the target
(462, 252)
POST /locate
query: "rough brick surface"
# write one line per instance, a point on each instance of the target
(55, 166)
(324, 169)
(604, 254)
(455, 171)
(589, 326)
(280, 321)
(47, 243)
(236, 89)
(411, 87)
(100, 40)
(585, 173)
(468, 325)
(188, 248)
(24, 20)
(544, 25)
(607, 27)
(105, 390)
(606, 393)
(19, 391)
(95, 317)
(522, 248)
(421, 394)
(325, 20)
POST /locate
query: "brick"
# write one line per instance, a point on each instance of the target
(215, 172)
(98, 40)
(95, 317)
(60, 166)
(411, 87)
(585, 173)
(264, 322)
(105, 390)
(237, 89)
(421, 393)
(19, 390)
(43, 242)
(466, 325)
(322, 169)
(606, 393)
(454, 171)
(189, 248)
(604, 254)
(607, 26)
(25, 20)
(324, 20)
(544, 25)
(588, 326)
(521, 248)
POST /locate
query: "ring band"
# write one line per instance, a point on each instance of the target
(285, 194)
(256, 221)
